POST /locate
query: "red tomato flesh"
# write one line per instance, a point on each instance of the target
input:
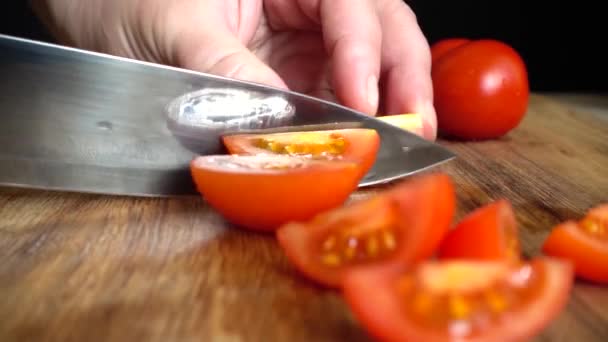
(401, 225)
(459, 300)
(585, 243)
(487, 233)
(357, 144)
(263, 192)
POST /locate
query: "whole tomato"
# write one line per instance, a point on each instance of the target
(480, 88)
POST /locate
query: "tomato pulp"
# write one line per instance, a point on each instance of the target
(487, 233)
(354, 144)
(584, 242)
(459, 300)
(263, 192)
(411, 122)
(480, 88)
(399, 226)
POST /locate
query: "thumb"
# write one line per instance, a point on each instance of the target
(222, 54)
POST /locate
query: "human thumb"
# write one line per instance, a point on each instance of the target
(222, 54)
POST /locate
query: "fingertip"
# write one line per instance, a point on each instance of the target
(373, 94)
(429, 122)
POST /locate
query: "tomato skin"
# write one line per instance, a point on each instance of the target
(487, 233)
(263, 200)
(481, 90)
(373, 297)
(590, 256)
(363, 144)
(425, 207)
(442, 47)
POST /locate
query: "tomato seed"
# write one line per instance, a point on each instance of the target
(329, 243)
(358, 247)
(595, 227)
(389, 240)
(371, 246)
(316, 145)
(459, 307)
(331, 259)
(496, 301)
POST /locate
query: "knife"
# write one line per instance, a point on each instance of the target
(80, 121)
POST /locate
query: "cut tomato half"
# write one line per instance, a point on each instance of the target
(487, 233)
(585, 243)
(353, 144)
(401, 225)
(264, 192)
(409, 122)
(458, 300)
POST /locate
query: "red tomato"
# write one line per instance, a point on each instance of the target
(459, 300)
(357, 144)
(487, 233)
(481, 90)
(263, 192)
(443, 46)
(401, 225)
(585, 243)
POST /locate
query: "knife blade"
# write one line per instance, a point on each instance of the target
(81, 121)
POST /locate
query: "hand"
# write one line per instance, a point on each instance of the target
(333, 49)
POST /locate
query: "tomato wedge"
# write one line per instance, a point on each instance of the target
(487, 233)
(351, 144)
(459, 300)
(263, 192)
(411, 122)
(400, 225)
(585, 243)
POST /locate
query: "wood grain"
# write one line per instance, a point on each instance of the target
(95, 268)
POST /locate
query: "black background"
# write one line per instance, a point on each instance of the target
(562, 43)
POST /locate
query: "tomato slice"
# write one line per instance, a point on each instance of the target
(411, 122)
(352, 144)
(487, 233)
(459, 300)
(401, 225)
(585, 243)
(263, 192)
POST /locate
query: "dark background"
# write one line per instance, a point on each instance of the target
(562, 43)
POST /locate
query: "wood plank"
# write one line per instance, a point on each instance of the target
(96, 268)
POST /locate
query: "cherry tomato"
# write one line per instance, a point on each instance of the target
(487, 233)
(356, 144)
(445, 45)
(401, 225)
(263, 192)
(481, 90)
(411, 122)
(584, 242)
(458, 300)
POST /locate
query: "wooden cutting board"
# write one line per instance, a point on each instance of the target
(95, 268)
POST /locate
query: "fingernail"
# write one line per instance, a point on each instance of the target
(372, 92)
(429, 121)
(429, 131)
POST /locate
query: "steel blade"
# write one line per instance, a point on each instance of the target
(75, 120)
